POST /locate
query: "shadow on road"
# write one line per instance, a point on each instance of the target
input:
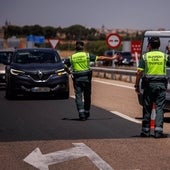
(32, 119)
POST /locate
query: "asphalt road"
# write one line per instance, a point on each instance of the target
(34, 119)
(53, 126)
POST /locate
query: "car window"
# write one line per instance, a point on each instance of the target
(109, 53)
(126, 55)
(5, 56)
(36, 57)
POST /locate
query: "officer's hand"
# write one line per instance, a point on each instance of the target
(115, 56)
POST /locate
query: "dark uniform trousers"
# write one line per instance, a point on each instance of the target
(82, 88)
(153, 93)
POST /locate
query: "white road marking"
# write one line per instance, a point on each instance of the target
(42, 161)
(125, 116)
(116, 112)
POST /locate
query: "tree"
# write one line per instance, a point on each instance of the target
(96, 47)
(49, 32)
(26, 30)
(76, 32)
(36, 30)
(13, 30)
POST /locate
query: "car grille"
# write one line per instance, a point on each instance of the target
(40, 76)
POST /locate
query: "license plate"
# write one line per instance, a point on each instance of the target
(40, 89)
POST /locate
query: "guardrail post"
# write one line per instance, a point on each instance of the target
(130, 78)
(112, 75)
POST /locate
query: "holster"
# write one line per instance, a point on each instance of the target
(145, 82)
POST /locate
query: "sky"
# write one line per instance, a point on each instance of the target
(112, 14)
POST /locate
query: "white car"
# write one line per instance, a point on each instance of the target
(165, 41)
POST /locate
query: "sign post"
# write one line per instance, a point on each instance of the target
(136, 50)
(113, 41)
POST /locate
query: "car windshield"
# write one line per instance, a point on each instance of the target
(28, 57)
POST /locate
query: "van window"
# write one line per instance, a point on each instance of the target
(165, 41)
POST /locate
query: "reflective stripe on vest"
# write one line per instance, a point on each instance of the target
(155, 63)
(80, 61)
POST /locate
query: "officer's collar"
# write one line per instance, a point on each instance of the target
(155, 50)
(79, 51)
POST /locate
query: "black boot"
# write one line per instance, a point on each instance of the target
(82, 116)
(160, 135)
(87, 114)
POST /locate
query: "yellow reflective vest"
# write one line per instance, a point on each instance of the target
(155, 63)
(80, 61)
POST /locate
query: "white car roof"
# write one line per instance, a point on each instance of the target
(157, 33)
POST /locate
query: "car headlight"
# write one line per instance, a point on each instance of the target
(61, 72)
(16, 72)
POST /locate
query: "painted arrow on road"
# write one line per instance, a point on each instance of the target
(42, 161)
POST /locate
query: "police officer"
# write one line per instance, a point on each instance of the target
(152, 67)
(82, 75)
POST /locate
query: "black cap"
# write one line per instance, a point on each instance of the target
(154, 42)
(79, 45)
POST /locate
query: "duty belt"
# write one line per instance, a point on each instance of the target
(154, 79)
(82, 73)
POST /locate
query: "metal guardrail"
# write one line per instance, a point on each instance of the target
(115, 74)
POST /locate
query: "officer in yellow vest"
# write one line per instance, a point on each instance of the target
(152, 67)
(82, 75)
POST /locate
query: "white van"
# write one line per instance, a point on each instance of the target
(165, 41)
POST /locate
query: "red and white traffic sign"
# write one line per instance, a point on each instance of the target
(113, 40)
(53, 42)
